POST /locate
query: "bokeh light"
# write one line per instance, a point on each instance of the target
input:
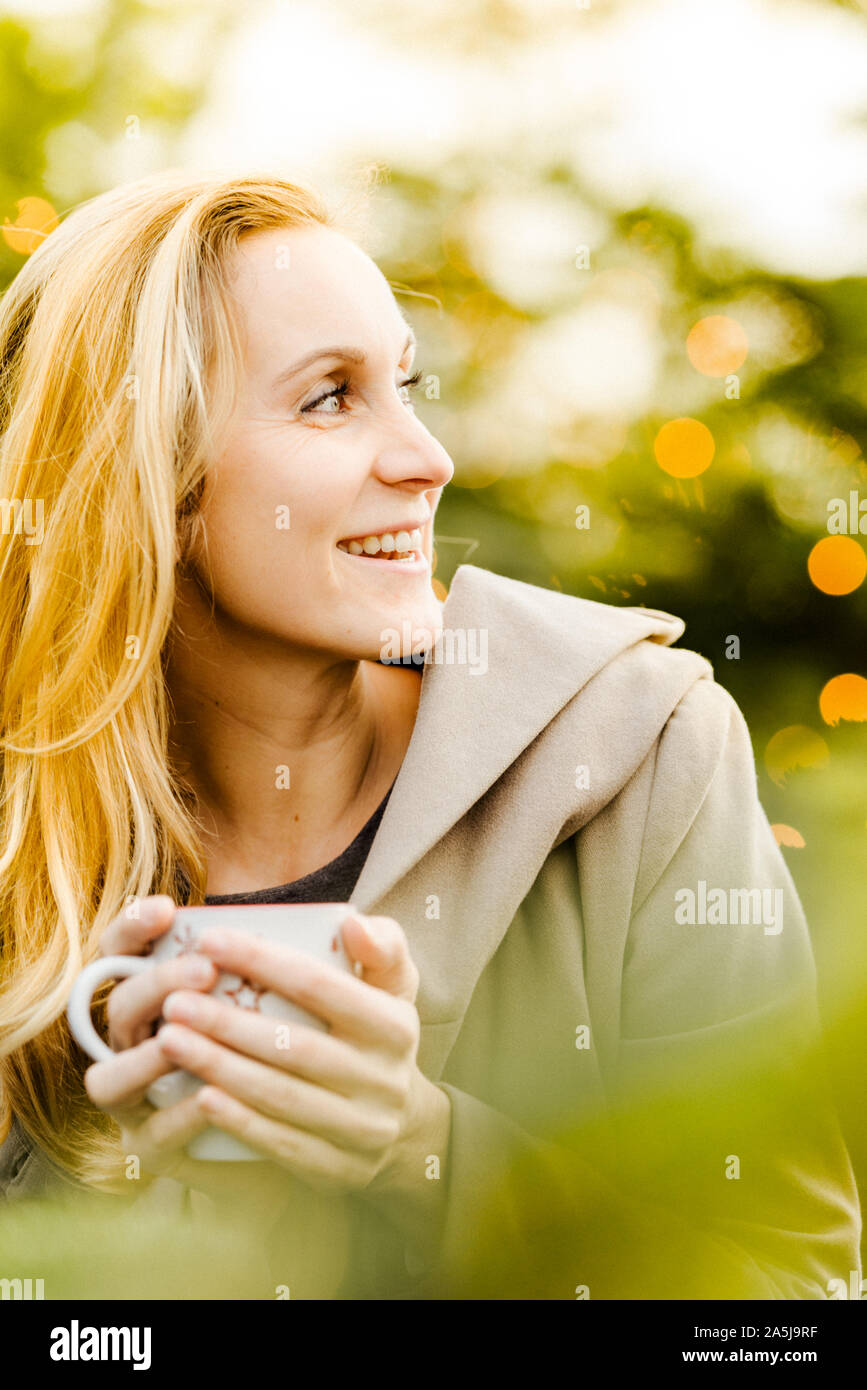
(844, 697)
(837, 565)
(796, 746)
(684, 448)
(36, 219)
(717, 345)
(788, 836)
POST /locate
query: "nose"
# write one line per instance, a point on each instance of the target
(409, 453)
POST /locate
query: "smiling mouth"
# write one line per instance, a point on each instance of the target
(402, 547)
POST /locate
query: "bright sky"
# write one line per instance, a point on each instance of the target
(743, 115)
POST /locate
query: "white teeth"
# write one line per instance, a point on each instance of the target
(402, 543)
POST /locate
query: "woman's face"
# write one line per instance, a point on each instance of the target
(324, 454)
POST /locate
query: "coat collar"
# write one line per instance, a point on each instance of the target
(471, 724)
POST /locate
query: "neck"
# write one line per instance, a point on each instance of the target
(289, 751)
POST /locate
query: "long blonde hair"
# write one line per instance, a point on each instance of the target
(119, 362)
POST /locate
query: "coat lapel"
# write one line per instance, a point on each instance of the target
(542, 647)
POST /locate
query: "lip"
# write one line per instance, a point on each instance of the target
(417, 566)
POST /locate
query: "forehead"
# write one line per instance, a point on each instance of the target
(296, 287)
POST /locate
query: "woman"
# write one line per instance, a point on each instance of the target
(208, 385)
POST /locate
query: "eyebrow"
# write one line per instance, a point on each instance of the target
(349, 354)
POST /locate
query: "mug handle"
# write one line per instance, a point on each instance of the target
(78, 1008)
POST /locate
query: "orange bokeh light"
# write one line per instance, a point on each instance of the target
(717, 345)
(788, 835)
(837, 564)
(684, 448)
(36, 218)
(844, 697)
(795, 746)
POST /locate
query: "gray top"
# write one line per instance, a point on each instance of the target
(25, 1171)
(333, 883)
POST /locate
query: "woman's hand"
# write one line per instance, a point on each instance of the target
(345, 1110)
(119, 1086)
(158, 1137)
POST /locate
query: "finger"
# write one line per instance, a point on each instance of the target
(381, 946)
(315, 1160)
(161, 1140)
(135, 1003)
(353, 1008)
(306, 1052)
(280, 1096)
(121, 1084)
(140, 923)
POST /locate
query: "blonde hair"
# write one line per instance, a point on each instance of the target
(119, 362)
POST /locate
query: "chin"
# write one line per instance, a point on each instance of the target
(407, 630)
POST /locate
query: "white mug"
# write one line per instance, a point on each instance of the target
(310, 927)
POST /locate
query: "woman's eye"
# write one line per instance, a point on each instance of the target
(409, 386)
(330, 402)
(336, 395)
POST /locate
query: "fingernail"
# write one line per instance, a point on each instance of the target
(210, 1100)
(181, 1006)
(212, 939)
(375, 931)
(196, 970)
(156, 908)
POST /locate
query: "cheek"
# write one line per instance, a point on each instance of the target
(267, 534)
(272, 492)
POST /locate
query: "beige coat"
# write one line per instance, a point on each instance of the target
(552, 827)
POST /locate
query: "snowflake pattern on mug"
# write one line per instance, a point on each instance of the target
(184, 937)
(246, 995)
